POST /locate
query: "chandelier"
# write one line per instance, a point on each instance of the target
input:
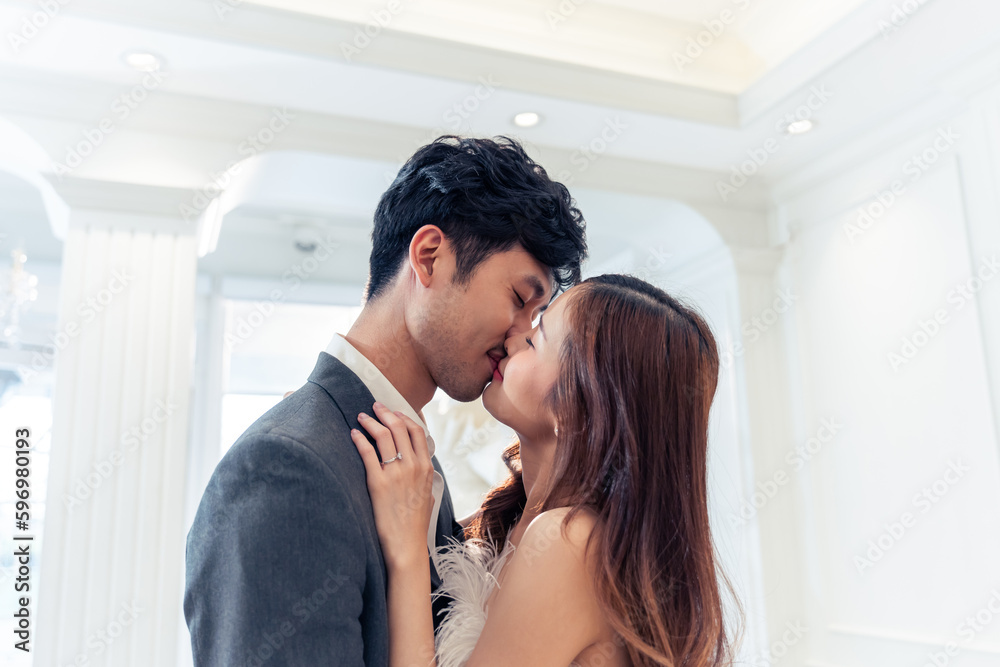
(17, 289)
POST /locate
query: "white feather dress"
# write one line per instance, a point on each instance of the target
(469, 572)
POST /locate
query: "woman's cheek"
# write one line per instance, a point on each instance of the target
(524, 383)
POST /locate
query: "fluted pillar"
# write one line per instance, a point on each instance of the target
(759, 356)
(113, 547)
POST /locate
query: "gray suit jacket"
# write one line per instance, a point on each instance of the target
(283, 561)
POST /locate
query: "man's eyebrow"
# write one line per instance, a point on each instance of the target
(536, 286)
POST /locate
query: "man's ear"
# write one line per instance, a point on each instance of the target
(425, 252)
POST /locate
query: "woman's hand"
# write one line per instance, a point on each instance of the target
(400, 488)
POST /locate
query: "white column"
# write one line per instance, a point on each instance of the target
(979, 162)
(760, 359)
(112, 567)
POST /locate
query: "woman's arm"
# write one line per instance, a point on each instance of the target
(402, 501)
(411, 625)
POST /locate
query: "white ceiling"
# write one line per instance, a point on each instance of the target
(745, 39)
(609, 62)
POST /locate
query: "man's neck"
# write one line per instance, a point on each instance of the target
(380, 334)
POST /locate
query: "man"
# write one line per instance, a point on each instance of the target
(471, 241)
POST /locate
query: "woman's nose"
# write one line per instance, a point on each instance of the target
(510, 345)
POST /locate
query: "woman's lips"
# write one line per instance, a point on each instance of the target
(497, 375)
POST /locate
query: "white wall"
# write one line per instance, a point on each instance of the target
(925, 419)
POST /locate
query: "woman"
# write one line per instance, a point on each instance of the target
(599, 541)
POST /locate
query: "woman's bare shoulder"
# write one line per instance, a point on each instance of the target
(545, 597)
(552, 524)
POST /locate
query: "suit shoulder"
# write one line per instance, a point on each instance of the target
(303, 421)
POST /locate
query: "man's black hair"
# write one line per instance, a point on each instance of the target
(486, 196)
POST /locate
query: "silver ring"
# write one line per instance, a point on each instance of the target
(397, 457)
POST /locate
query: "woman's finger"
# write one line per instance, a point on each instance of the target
(368, 455)
(383, 437)
(418, 439)
(396, 426)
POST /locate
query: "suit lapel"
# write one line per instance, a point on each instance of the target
(348, 392)
(352, 396)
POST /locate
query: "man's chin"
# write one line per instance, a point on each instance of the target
(465, 394)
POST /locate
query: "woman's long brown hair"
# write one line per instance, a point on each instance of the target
(638, 374)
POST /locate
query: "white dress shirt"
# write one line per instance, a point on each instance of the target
(389, 396)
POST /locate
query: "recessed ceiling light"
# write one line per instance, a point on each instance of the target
(799, 126)
(527, 119)
(142, 61)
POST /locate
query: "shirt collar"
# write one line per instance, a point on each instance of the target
(378, 384)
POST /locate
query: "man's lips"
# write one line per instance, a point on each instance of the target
(495, 364)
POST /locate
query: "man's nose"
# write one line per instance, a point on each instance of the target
(521, 325)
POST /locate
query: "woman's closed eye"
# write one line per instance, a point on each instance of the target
(527, 339)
